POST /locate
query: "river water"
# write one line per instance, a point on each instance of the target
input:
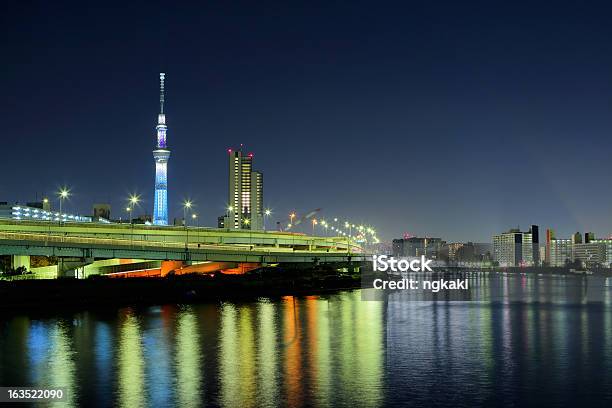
(550, 349)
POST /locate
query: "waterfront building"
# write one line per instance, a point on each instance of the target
(560, 251)
(606, 245)
(245, 199)
(161, 154)
(515, 248)
(591, 253)
(535, 244)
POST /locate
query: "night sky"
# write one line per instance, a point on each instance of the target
(455, 119)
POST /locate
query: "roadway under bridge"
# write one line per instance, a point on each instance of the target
(85, 249)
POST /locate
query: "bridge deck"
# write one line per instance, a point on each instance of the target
(169, 243)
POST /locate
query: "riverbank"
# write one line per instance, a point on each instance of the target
(28, 294)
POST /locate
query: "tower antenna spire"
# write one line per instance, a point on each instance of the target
(161, 91)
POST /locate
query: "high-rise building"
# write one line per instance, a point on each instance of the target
(245, 198)
(535, 244)
(161, 154)
(550, 235)
(514, 248)
(560, 250)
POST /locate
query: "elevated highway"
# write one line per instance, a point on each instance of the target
(87, 243)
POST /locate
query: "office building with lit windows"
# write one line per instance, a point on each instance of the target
(560, 251)
(606, 248)
(245, 199)
(34, 212)
(591, 254)
(516, 248)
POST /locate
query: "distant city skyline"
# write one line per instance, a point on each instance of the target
(443, 120)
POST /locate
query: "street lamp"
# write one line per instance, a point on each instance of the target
(291, 217)
(267, 213)
(348, 237)
(133, 201)
(314, 223)
(63, 194)
(186, 206)
(228, 213)
(194, 216)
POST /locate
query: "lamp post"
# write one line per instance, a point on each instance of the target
(186, 205)
(246, 223)
(314, 223)
(348, 237)
(229, 211)
(63, 194)
(129, 211)
(291, 217)
(194, 217)
(267, 213)
(133, 201)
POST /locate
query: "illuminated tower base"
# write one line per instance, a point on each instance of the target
(160, 211)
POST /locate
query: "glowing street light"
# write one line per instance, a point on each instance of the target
(348, 237)
(314, 223)
(291, 217)
(267, 214)
(133, 201)
(186, 206)
(194, 217)
(63, 194)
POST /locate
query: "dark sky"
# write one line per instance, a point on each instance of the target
(452, 119)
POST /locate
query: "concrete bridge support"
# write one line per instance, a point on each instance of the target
(72, 267)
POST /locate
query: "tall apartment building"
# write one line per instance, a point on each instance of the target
(560, 251)
(245, 200)
(516, 248)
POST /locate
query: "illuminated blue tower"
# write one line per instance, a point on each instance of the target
(161, 155)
